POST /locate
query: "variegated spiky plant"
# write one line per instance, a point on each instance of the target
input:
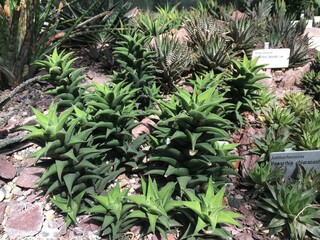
(172, 60)
(202, 28)
(245, 34)
(208, 39)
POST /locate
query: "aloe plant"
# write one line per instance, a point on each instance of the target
(309, 179)
(112, 211)
(137, 67)
(273, 140)
(64, 78)
(155, 205)
(184, 142)
(210, 213)
(307, 132)
(279, 116)
(243, 84)
(261, 175)
(290, 212)
(300, 103)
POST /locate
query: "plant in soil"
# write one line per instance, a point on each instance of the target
(185, 141)
(290, 211)
(260, 176)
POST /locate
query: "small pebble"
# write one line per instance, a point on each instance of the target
(47, 206)
(7, 189)
(132, 180)
(18, 157)
(19, 199)
(238, 197)
(49, 215)
(9, 196)
(16, 190)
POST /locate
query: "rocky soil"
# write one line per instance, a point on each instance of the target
(25, 213)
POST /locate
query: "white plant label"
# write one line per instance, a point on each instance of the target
(289, 160)
(274, 58)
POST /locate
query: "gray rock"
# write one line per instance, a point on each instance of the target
(55, 228)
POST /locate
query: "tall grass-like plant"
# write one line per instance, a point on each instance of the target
(29, 31)
(24, 37)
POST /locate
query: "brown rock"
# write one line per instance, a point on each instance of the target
(170, 236)
(29, 177)
(237, 15)
(88, 224)
(24, 220)
(2, 211)
(181, 35)
(293, 77)
(101, 79)
(7, 170)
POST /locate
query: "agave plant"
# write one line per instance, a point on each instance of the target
(138, 68)
(71, 158)
(279, 116)
(259, 178)
(243, 85)
(274, 140)
(112, 211)
(154, 206)
(64, 78)
(307, 133)
(290, 212)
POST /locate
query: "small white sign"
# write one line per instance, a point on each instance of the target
(289, 160)
(274, 58)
